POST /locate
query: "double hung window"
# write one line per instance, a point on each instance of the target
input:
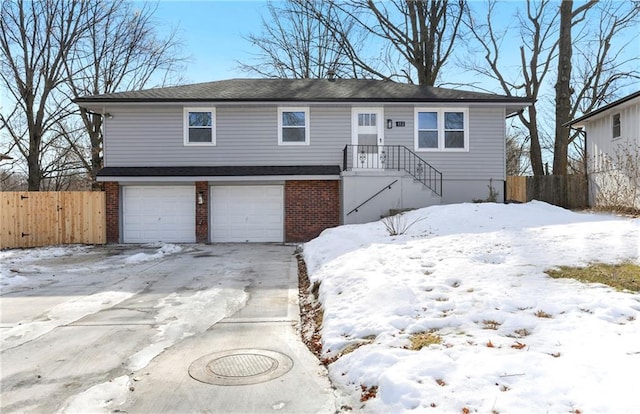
(441, 129)
(293, 126)
(615, 126)
(199, 126)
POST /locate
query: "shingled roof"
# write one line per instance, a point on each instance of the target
(595, 112)
(302, 90)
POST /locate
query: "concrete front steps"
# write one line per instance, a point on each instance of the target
(393, 190)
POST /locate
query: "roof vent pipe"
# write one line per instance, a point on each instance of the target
(331, 75)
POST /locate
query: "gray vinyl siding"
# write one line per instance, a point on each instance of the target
(245, 135)
(138, 136)
(486, 156)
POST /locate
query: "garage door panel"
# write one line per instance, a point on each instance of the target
(158, 213)
(247, 213)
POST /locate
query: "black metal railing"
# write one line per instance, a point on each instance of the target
(386, 187)
(392, 157)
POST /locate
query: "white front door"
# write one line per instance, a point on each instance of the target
(367, 137)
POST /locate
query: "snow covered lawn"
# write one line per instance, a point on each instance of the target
(513, 340)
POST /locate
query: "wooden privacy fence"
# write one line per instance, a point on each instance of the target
(32, 219)
(570, 191)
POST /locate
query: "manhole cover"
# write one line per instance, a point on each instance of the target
(240, 367)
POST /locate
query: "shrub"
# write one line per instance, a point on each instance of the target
(398, 224)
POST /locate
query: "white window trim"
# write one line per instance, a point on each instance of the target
(307, 122)
(619, 126)
(185, 126)
(440, 112)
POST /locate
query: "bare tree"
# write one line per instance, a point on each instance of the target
(295, 44)
(413, 39)
(538, 36)
(516, 154)
(569, 18)
(121, 50)
(417, 36)
(10, 179)
(36, 38)
(601, 68)
(53, 51)
(546, 36)
(425, 37)
(63, 168)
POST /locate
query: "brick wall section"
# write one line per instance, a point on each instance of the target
(310, 207)
(202, 212)
(112, 195)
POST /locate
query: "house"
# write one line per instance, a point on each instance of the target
(613, 152)
(273, 160)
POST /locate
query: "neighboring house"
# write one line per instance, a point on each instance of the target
(613, 152)
(280, 160)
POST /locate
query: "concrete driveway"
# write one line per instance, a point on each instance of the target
(160, 329)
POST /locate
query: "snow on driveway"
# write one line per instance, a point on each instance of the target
(513, 339)
(49, 288)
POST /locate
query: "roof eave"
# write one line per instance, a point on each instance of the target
(87, 101)
(580, 121)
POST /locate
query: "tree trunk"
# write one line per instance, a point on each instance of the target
(563, 89)
(33, 165)
(95, 136)
(535, 152)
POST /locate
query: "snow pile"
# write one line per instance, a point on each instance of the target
(67, 312)
(162, 250)
(100, 398)
(511, 338)
(20, 255)
(10, 280)
(16, 261)
(182, 315)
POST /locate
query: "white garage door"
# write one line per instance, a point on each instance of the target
(159, 213)
(247, 213)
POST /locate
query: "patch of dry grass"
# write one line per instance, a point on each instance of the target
(542, 314)
(624, 276)
(423, 339)
(521, 333)
(490, 324)
(355, 345)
